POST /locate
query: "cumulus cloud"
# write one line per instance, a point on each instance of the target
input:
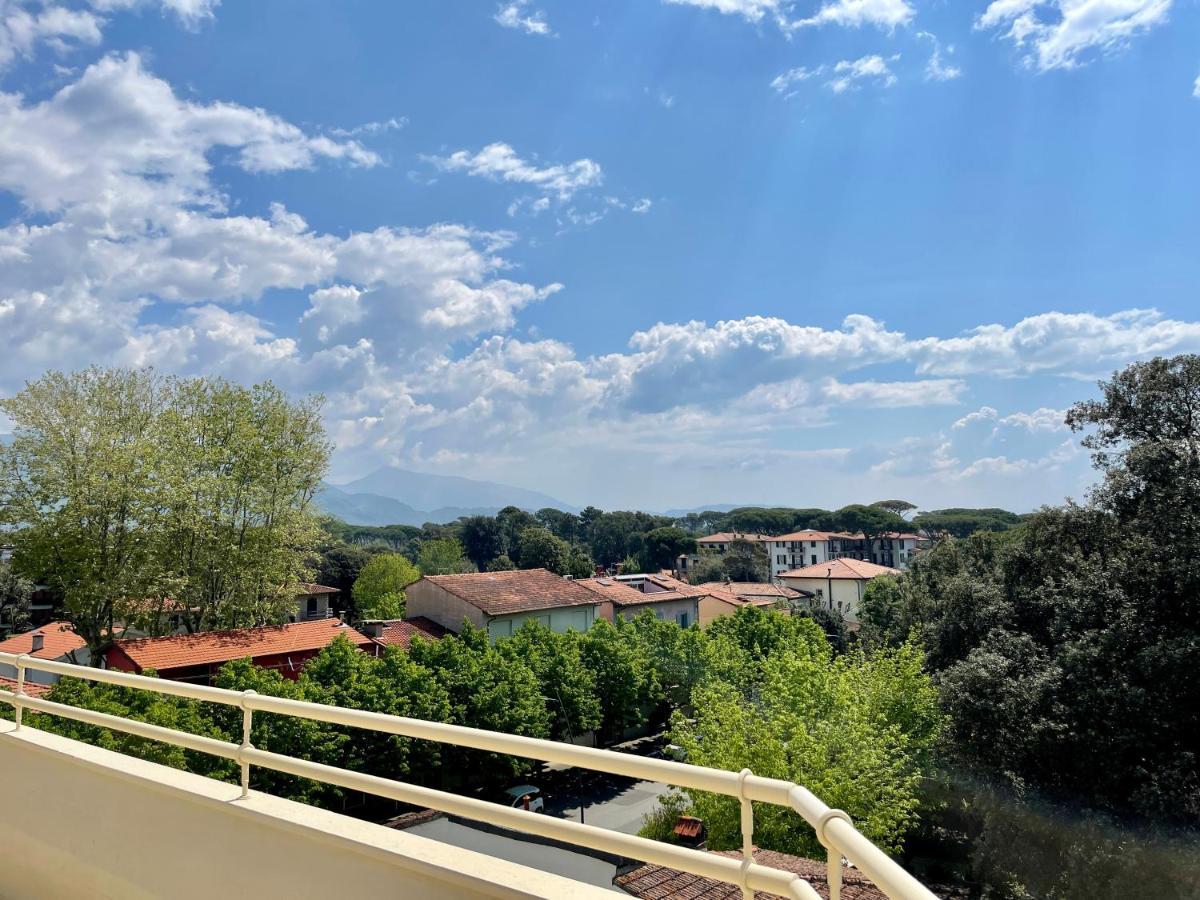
(520, 16)
(1059, 34)
(750, 10)
(849, 74)
(786, 81)
(885, 14)
(500, 162)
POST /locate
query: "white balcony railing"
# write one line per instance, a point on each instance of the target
(833, 827)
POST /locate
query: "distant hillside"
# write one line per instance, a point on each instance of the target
(392, 496)
(423, 491)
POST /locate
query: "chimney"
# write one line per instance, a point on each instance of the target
(373, 628)
(39, 641)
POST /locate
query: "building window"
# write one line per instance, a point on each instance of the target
(781, 559)
(814, 559)
(682, 619)
(812, 544)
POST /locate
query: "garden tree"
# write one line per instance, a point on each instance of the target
(15, 593)
(567, 686)
(662, 546)
(379, 589)
(512, 521)
(402, 539)
(675, 655)
(487, 689)
(624, 679)
(443, 556)
(962, 523)
(756, 520)
(616, 535)
(339, 564)
(747, 561)
(820, 723)
(501, 564)
(80, 481)
(235, 482)
(739, 646)
(630, 564)
(537, 548)
(710, 568)
(482, 540)
(898, 507)
(342, 675)
(560, 524)
(579, 564)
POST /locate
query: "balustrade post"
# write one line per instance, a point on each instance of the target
(247, 721)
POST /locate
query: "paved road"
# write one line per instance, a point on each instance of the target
(609, 801)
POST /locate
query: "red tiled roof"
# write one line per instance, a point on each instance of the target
(211, 647)
(726, 537)
(306, 588)
(751, 590)
(622, 593)
(688, 827)
(846, 568)
(651, 882)
(808, 534)
(400, 632)
(501, 593)
(733, 599)
(31, 688)
(58, 639)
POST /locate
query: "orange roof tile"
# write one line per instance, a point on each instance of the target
(726, 537)
(845, 568)
(31, 688)
(58, 640)
(653, 882)
(306, 588)
(750, 589)
(400, 632)
(501, 593)
(211, 647)
(622, 593)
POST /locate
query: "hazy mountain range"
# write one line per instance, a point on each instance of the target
(394, 496)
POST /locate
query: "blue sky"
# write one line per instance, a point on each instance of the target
(632, 253)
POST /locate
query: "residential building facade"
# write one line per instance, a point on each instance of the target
(501, 602)
(629, 595)
(837, 585)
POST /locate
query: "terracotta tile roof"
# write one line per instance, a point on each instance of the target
(501, 593)
(400, 632)
(688, 827)
(854, 569)
(306, 588)
(32, 689)
(58, 639)
(211, 647)
(750, 590)
(651, 882)
(734, 600)
(622, 593)
(726, 537)
(808, 534)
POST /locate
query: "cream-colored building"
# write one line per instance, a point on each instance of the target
(629, 595)
(837, 585)
(501, 602)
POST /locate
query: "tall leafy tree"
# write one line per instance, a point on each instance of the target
(379, 589)
(482, 540)
(443, 556)
(537, 548)
(80, 483)
(568, 687)
(15, 594)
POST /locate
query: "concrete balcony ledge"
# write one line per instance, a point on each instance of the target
(82, 821)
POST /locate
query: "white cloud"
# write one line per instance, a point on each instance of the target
(23, 28)
(784, 82)
(750, 10)
(983, 414)
(885, 14)
(849, 74)
(1043, 419)
(642, 206)
(1196, 87)
(500, 162)
(1058, 34)
(518, 15)
(395, 123)
(936, 69)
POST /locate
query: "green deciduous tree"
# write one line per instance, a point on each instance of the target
(15, 594)
(482, 540)
(567, 686)
(443, 556)
(537, 548)
(379, 589)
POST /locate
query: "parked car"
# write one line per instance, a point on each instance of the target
(516, 797)
(675, 752)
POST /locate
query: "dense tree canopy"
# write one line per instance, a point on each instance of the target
(125, 488)
(379, 589)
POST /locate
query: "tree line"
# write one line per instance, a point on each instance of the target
(1065, 655)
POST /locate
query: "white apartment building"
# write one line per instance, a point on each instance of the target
(810, 547)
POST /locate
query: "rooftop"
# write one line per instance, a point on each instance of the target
(32, 688)
(726, 537)
(58, 639)
(751, 589)
(522, 590)
(853, 569)
(210, 647)
(651, 882)
(307, 588)
(621, 591)
(400, 632)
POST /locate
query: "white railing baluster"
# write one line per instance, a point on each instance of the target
(747, 831)
(247, 721)
(834, 829)
(19, 706)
